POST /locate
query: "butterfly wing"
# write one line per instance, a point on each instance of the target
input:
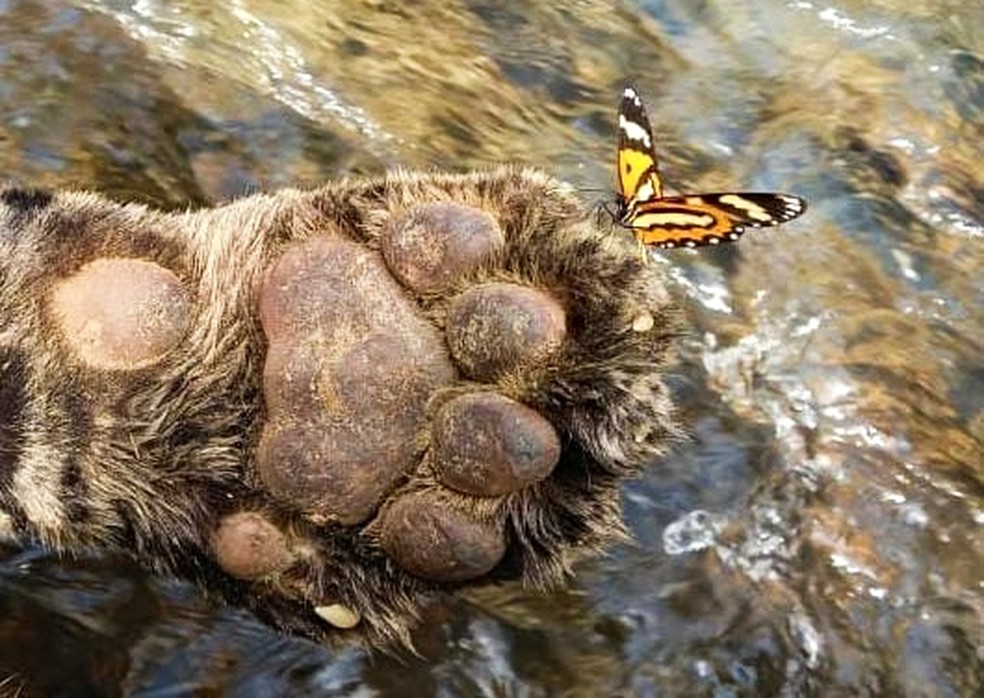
(638, 174)
(708, 219)
(682, 221)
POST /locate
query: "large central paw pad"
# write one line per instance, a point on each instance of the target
(349, 370)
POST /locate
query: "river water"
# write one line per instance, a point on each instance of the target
(821, 533)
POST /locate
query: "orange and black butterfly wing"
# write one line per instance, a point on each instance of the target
(709, 219)
(638, 173)
(682, 221)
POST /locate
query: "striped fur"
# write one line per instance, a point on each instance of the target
(147, 460)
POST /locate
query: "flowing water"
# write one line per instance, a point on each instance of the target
(822, 533)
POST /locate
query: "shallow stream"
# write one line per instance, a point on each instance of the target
(822, 533)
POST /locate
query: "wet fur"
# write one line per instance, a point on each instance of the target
(147, 461)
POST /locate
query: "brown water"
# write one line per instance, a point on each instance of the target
(822, 533)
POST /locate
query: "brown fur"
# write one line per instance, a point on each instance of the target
(148, 460)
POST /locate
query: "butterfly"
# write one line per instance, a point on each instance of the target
(692, 220)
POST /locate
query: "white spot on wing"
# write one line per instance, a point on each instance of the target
(749, 207)
(633, 131)
(645, 192)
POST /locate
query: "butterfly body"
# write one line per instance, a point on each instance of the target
(692, 220)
